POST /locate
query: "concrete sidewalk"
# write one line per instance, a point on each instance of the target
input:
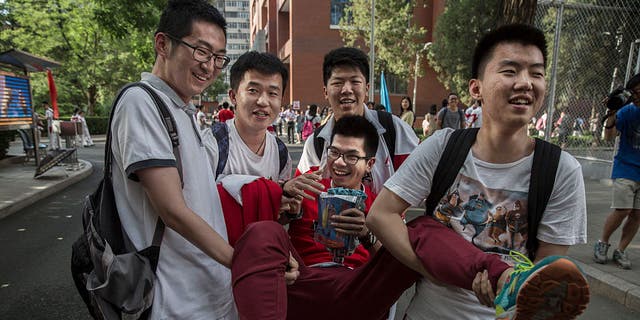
(19, 189)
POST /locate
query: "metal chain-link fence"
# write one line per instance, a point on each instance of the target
(594, 47)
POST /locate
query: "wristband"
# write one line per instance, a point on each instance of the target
(284, 193)
(368, 240)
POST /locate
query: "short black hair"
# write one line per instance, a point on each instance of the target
(345, 57)
(358, 127)
(633, 82)
(511, 33)
(313, 110)
(264, 63)
(178, 17)
(225, 105)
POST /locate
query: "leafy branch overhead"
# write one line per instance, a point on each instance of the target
(397, 37)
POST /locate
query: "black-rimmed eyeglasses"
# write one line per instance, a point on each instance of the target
(203, 55)
(350, 159)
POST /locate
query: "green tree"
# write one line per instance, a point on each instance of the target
(397, 37)
(217, 87)
(95, 62)
(456, 34)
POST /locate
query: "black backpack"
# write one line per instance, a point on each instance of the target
(127, 282)
(546, 158)
(220, 131)
(386, 120)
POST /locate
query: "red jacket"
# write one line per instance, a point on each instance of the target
(261, 201)
(301, 232)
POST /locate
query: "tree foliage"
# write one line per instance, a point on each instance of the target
(457, 32)
(95, 60)
(397, 37)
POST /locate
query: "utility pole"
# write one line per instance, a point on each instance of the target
(372, 55)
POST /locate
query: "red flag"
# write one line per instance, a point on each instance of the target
(53, 94)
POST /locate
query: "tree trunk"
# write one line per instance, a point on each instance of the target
(518, 11)
(92, 96)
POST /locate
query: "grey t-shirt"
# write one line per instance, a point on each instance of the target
(451, 119)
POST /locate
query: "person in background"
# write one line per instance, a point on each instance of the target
(429, 123)
(299, 123)
(290, 120)
(200, 117)
(474, 114)
(451, 116)
(225, 114)
(406, 111)
(52, 131)
(86, 136)
(371, 105)
(626, 174)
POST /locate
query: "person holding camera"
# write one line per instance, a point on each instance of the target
(623, 118)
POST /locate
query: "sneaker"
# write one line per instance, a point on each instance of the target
(554, 288)
(600, 252)
(620, 258)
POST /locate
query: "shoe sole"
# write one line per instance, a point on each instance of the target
(557, 291)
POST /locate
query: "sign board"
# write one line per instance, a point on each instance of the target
(296, 104)
(15, 101)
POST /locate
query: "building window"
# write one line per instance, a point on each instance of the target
(337, 10)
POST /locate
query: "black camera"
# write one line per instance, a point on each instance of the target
(619, 98)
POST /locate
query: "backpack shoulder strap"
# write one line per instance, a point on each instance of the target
(220, 131)
(546, 158)
(462, 117)
(283, 154)
(172, 129)
(386, 120)
(318, 142)
(449, 165)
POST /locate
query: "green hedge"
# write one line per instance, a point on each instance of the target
(97, 125)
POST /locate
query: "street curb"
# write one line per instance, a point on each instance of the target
(616, 289)
(30, 198)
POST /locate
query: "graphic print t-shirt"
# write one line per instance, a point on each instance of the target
(487, 205)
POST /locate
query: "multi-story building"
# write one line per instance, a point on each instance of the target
(236, 12)
(301, 32)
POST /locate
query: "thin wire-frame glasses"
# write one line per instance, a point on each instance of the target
(203, 55)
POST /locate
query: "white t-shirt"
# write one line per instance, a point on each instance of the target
(406, 142)
(200, 119)
(485, 190)
(189, 283)
(474, 117)
(242, 160)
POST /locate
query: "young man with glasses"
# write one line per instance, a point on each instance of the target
(350, 158)
(193, 279)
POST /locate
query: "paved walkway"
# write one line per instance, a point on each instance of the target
(19, 189)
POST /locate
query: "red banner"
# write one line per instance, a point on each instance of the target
(53, 94)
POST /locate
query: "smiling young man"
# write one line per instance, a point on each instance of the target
(349, 159)
(258, 81)
(193, 279)
(508, 78)
(346, 83)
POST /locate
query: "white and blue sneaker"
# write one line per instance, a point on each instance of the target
(554, 288)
